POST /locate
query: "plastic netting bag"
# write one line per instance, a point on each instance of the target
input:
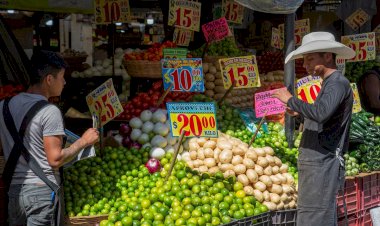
(272, 6)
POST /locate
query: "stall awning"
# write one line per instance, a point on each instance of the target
(57, 6)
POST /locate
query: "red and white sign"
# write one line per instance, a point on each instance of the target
(363, 44)
(184, 14)
(266, 105)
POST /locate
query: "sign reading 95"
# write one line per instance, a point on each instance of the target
(363, 44)
(193, 119)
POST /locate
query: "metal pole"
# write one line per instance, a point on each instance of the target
(289, 75)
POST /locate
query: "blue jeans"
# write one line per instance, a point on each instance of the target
(30, 204)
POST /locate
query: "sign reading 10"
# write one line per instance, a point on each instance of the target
(183, 79)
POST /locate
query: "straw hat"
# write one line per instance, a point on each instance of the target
(316, 42)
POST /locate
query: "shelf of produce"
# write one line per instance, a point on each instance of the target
(284, 217)
(352, 197)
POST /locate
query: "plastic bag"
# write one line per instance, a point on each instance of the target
(272, 6)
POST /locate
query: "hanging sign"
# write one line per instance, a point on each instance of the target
(182, 37)
(175, 53)
(341, 65)
(301, 28)
(276, 38)
(104, 103)
(242, 69)
(185, 14)
(185, 74)
(363, 44)
(308, 88)
(266, 105)
(357, 107)
(196, 119)
(216, 30)
(357, 19)
(232, 11)
(111, 11)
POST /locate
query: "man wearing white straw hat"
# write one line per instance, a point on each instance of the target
(326, 127)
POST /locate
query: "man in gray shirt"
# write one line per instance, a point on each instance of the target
(30, 199)
(326, 127)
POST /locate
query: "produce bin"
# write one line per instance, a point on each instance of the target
(352, 194)
(86, 220)
(353, 220)
(365, 218)
(284, 217)
(259, 220)
(370, 194)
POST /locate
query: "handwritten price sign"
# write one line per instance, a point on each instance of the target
(185, 74)
(242, 69)
(232, 11)
(111, 11)
(182, 37)
(196, 119)
(357, 107)
(265, 104)
(184, 14)
(104, 103)
(363, 44)
(308, 88)
(216, 30)
(357, 19)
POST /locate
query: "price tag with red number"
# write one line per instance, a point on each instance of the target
(232, 11)
(183, 74)
(182, 37)
(111, 11)
(363, 44)
(356, 107)
(357, 19)
(242, 69)
(195, 119)
(308, 88)
(104, 103)
(184, 14)
(301, 28)
(341, 65)
(276, 38)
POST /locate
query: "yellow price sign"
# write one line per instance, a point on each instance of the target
(182, 37)
(308, 88)
(301, 28)
(357, 107)
(185, 14)
(276, 38)
(242, 69)
(104, 103)
(232, 11)
(363, 44)
(194, 119)
(357, 19)
(111, 11)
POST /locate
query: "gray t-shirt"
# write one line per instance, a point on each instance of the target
(47, 122)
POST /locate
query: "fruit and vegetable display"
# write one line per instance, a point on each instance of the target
(154, 53)
(354, 70)
(226, 48)
(377, 120)
(270, 61)
(263, 175)
(351, 164)
(363, 130)
(10, 90)
(272, 76)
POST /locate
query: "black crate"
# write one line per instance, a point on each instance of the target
(284, 217)
(263, 219)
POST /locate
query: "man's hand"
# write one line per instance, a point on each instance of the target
(283, 95)
(91, 136)
(291, 113)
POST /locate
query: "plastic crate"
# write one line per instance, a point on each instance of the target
(259, 220)
(370, 193)
(284, 217)
(352, 192)
(353, 220)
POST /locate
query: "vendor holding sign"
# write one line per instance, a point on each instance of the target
(326, 127)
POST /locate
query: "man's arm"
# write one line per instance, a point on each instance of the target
(372, 90)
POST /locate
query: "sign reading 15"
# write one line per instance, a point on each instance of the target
(240, 74)
(195, 122)
(231, 11)
(183, 79)
(183, 17)
(103, 102)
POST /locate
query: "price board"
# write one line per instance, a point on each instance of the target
(216, 30)
(196, 119)
(104, 103)
(357, 19)
(232, 11)
(363, 44)
(182, 37)
(302, 28)
(341, 65)
(308, 88)
(184, 14)
(175, 53)
(183, 74)
(242, 69)
(276, 38)
(357, 107)
(266, 105)
(111, 11)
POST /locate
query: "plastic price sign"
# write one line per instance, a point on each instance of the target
(185, 74)
(182, 37)
(104, 103)
(111, 11)
(357, 107)
(276, 38)
(308, 88)
(341, 65)
(357, 19)
(232, 11)
(265, 104)
(242, 69)
(184, 14)
(363, 44)
(216, 30)
(175, 53)
(196, 119)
